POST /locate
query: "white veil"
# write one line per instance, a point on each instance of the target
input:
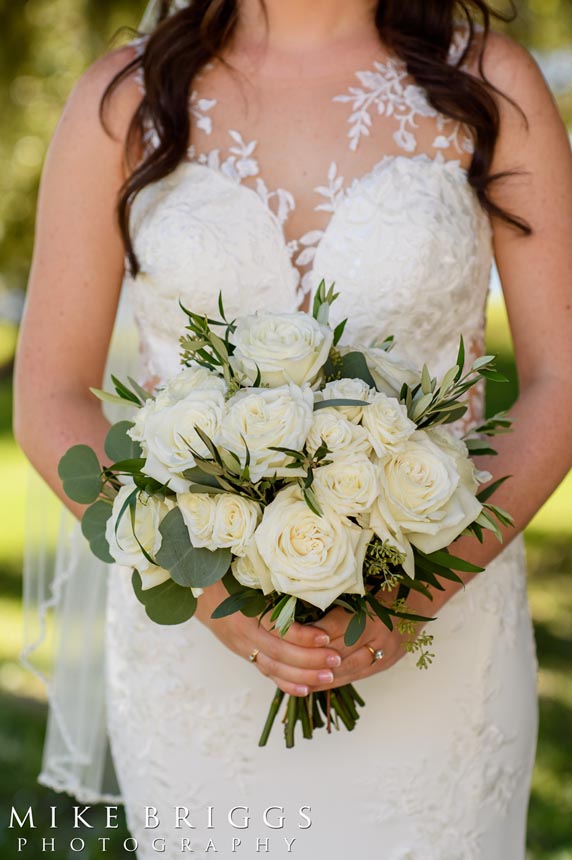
(65, 592)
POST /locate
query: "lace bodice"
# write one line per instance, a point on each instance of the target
(391, 217)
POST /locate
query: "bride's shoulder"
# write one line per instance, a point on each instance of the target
(91, 87)
(509, 67)
(87, 104)
(522, 95)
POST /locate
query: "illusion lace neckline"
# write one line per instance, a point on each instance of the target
(384, 90)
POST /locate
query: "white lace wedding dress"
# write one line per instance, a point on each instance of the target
(439, 765)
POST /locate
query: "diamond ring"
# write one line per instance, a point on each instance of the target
(377, 654)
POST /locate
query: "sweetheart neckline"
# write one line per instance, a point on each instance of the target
(452, 166)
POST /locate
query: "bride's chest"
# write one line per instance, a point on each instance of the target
(371, 192)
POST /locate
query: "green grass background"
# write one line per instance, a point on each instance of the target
(549, 542)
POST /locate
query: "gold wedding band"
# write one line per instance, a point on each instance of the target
(252, 657)
(376, 653)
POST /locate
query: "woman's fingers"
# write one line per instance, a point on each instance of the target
(335, 623)
(297, 656)
(302, 679)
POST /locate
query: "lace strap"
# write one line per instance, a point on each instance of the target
(459, 42)
(139, 46)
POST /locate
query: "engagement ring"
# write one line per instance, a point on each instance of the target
(376, 654)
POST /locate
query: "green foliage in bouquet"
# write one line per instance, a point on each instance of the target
(170, 572)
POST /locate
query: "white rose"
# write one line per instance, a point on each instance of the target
(284, 347)
(343, 438)
(266, 417)
(198, 511)
(137, 432)
(251, 571)
(389, 372)
(167, 432)
(235, 520)
(470, 476)
(123, 543)
(190, 379)
(387, 424)
(427, 493)
(350, 487)
(347, 389)
(308, 556)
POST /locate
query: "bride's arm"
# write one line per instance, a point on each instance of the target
(536, 275)
(75, 278)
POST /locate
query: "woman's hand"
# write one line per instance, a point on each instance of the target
(297, 663)
(357, 660)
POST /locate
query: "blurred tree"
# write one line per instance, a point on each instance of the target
(47, 44)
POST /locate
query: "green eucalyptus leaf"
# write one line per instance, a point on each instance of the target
(336, 402)
(338, 332)
(319, 298)
(312, 501)
(380, 610)
(354, 366)
(119, 446)
(451, 561)
(411, 616)
(93, 526)
(426, 385)
(449, 378)
(124, 392)
(487, 522)
(80, 473)
(254, 606)
(133, 466)
(106, 397)
(479, 447)
(493, 375)
(483, 361)
(488, 491)
(502, 516)
(202, 489)
(419, 406)
(189, 565)
(166, 604)
(460, 359)
(232, 585)
(231, 604)
(148, 485)
(144, 395)
(355, 628)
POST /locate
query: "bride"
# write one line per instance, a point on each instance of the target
(254, 149)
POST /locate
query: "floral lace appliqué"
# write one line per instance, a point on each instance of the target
(384, 92)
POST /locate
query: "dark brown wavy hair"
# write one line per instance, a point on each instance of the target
(418, 31)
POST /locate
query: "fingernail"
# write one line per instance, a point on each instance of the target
(322, 639)
(334, 660)
(303, 691)
(326, 677)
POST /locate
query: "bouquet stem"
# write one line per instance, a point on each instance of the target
(310, 710)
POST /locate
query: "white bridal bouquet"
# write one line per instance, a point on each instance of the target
(303, 474)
